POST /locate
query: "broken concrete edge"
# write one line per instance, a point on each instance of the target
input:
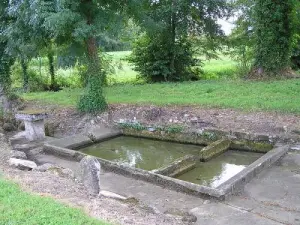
(256, 143)
(178, 167)
(214, 149)
(79, 141)
(236, 183)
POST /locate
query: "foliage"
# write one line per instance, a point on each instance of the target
(18, 207)
(241, 41)
(5, 59)
(152, 58)
(296, 40)
(273, 26)
(92, 101)
(35, 81)
(82, 22)
(164, 52)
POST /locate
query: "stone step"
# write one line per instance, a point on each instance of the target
(19, 138)
(27, 147)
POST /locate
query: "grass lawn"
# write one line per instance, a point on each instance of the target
(18, 207)
(282, 95)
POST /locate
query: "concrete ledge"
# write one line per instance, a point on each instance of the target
(178, 167)
(240, 141)
(237, 182)
(253, 146)
(63, 152)
(214, 150)
(72, 142)
(97, 135)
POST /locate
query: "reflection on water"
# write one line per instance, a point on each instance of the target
(218, 170)
(140, 153)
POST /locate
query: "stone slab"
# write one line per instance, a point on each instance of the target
(31, 115)
(178, 167)
(102, 134)
(220, 214)
(72, 142)
(214, 149)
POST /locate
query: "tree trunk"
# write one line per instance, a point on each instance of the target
(53, 84)
(25, 75)
(173, 39)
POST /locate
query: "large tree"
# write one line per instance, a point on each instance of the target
(82, 21)
(5, 59)
(273, 27)
(165, 53)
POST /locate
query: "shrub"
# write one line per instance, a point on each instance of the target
(152, 58)
(36, 82)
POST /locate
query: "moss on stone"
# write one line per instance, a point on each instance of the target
(255, 146)
(214, 149)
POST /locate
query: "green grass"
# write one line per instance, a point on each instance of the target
(282, 95)
(18, 207)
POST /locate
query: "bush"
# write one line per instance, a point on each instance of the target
(152, 58)
(36, 82)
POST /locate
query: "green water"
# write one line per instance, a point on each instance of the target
(220, 169)
(139, 152)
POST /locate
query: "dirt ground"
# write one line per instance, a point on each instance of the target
(67, 121)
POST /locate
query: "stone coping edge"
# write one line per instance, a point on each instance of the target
(148, 176)
(178, 167)
(236, 183)
(80, 141)
(255, 143)
(231, 186)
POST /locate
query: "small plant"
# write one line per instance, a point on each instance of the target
(135, 126)
(174, 129)
(209, 135)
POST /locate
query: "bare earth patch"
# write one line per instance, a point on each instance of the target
(67, 121)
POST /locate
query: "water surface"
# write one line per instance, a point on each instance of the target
(140, 152)
(220, 169)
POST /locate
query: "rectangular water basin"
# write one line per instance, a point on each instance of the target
(220, 169)
(140, 153)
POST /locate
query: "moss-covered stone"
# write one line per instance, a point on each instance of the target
(255, 146)
(190, 138)
(214, 149)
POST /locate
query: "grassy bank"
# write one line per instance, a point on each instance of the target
(17, 207)
(282, 96)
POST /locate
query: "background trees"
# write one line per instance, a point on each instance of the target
(273, 24)
(165, 52)
(169, 40)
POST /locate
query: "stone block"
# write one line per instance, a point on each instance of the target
(178, 167)
(22, 164)
(34, 124)
(214, 149)
(18, 155)
(90, 174)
